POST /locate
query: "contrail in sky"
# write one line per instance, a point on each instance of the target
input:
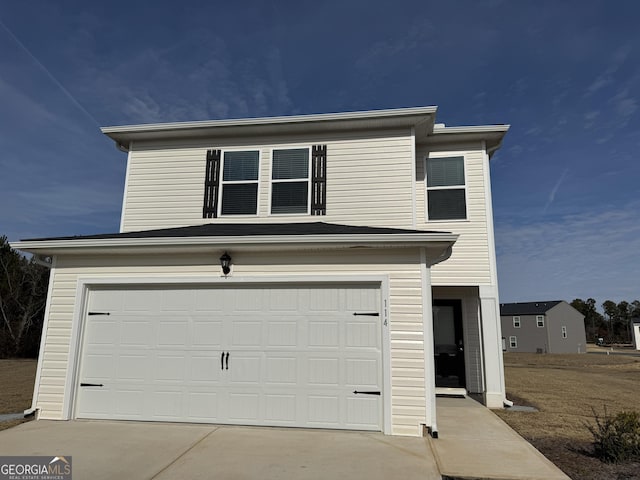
(49, 74)
(552, 195)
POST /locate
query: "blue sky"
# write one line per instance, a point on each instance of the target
(565, 75)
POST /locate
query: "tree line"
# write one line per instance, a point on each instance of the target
(616, 323)
(23, 296)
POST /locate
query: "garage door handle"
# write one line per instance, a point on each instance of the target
(91, 385)
(227, 356)
(222, 361)
(366, 393)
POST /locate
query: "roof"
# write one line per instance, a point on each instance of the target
(421, 119)
(528, 308)
(263, 236)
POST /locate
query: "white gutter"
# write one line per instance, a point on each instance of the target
(285, 240)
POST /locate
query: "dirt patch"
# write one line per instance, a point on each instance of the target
(566, 389)
(17, 378)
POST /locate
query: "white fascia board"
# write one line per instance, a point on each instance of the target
(471, 129)
(323, 117)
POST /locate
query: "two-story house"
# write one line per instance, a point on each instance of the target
(542, 327)
(330, 271)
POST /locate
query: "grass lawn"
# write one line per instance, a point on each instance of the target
(16, 380)
(565, 388)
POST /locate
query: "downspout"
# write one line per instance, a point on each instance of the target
(427, 328)
(491, 237)
(48, 262)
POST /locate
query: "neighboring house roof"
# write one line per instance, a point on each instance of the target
(262, 236)
(420, 119)
(527, 308)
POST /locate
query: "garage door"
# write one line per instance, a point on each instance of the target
(255, 355)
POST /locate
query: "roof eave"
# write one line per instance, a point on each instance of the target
(261, 242)
(422, 118)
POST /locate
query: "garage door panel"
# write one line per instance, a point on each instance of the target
(296, 355)
(133, 367)
(141, 300)
(169, 368)
(202, 406)
(206, 332)
(280, 408)
(244, 367)
(135, 331)
(323, 334)
(281, 370)
(246, 333)
(205, 368)
(173, 332)
(243, 407)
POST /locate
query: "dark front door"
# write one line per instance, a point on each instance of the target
(448, 343)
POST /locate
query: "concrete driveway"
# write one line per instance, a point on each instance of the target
(106, 450)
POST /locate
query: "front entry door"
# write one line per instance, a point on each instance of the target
(448, 344)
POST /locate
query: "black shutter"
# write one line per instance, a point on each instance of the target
(319, 180)
(211, 184)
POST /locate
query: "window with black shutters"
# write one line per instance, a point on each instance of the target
(290, 181)
(239, 186)
(446, 189)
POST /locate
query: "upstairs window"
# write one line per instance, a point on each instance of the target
(446, 189)
(240, 182)
(516, 322)
(290, 181)
(540, 321)
(564, 332)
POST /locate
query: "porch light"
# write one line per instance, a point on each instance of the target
(225, 262)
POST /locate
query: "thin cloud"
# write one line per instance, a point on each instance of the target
(554, 190)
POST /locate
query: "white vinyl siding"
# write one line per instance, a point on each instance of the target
(469, 263)
(369, 180)
(405, 311)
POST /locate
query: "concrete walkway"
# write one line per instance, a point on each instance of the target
(474, 443)
(106, 450)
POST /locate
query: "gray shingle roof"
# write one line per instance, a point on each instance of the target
(247, 229)
(527, 308)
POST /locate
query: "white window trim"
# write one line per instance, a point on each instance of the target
(538, 319)
(516, 319)
(271, 181)
(457, 187)
(564, 332)
(238, 182)
(513, 341)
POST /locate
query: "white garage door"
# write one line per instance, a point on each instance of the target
(255, 355)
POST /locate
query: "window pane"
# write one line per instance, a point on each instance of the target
(289, 197)
(443, 172)
(447, 204)
(240, 165)
(292, 163)
(239, 199)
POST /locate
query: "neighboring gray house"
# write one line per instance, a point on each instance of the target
(542, 327)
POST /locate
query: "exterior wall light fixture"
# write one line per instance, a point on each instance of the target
(225, 263)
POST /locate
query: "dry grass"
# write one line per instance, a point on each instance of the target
(16, 387)
(566, 389)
